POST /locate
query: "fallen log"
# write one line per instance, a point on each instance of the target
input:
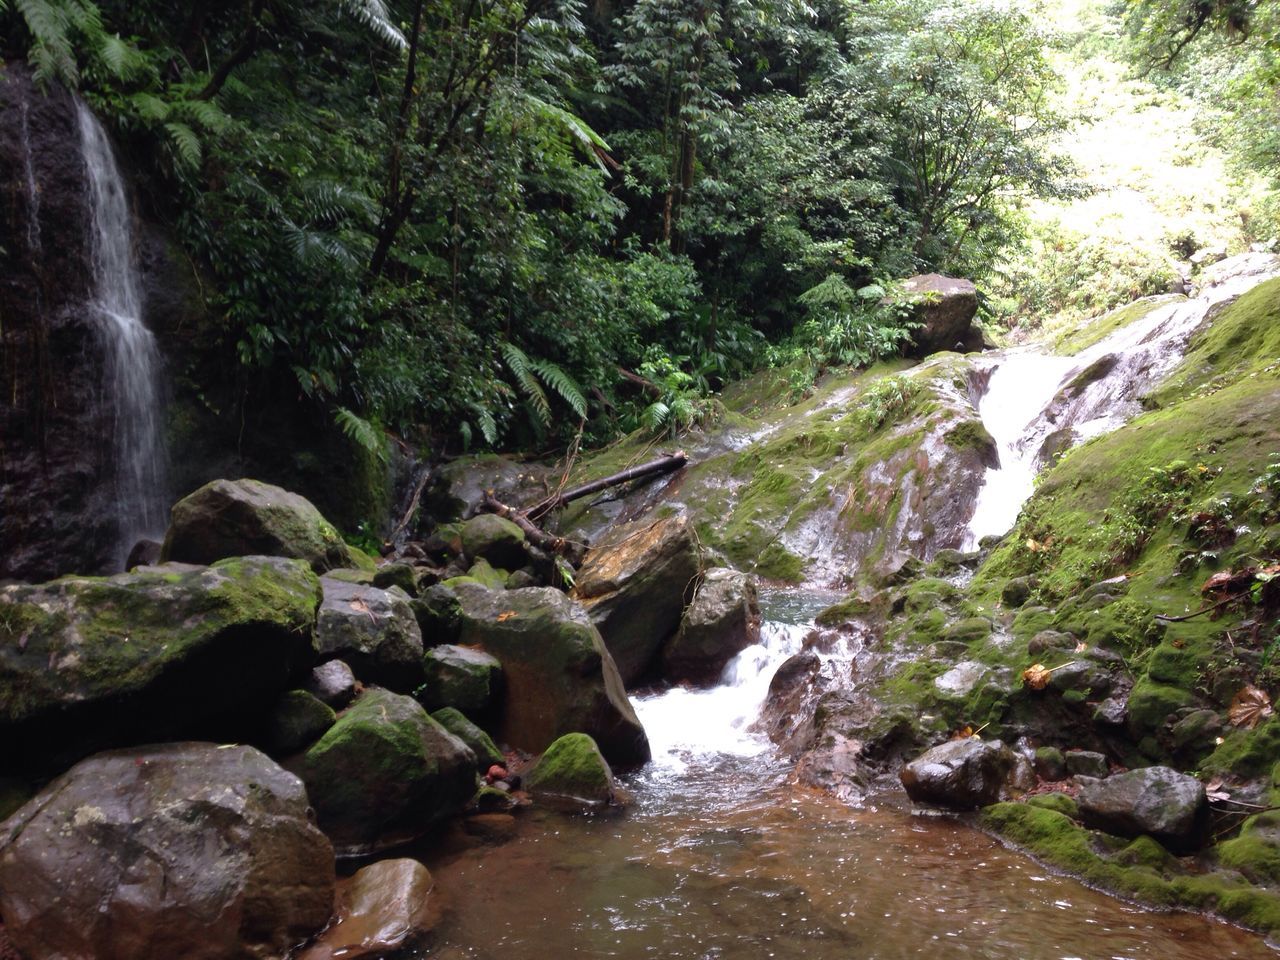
(571, 550)
(653, 468)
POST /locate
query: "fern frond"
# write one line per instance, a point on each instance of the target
(654, 417)
(149, 106)
(590, 142)
(123, 59)
(185, 143)
(488, 426)
(202, 113)
(563, 384)
(522, 369)
(361, 431)
(375, 17)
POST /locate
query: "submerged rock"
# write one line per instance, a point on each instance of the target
(237, 518)
(962, 774)
(721, 622)
(374, 631)
(388, 907)
(173, 650)
(386, 772)
(177, 850)
(1170, 806)
(573, 769)
(558, 676)
(634, 584)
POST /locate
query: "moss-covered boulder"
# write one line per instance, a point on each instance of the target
(481, 744)
(166, 651)
(297, 720)
(721, 622)
(496, 539)
(558, 676)
(238, 518)
(374, 631)
(386, 772)
(1163, 803)
(573, 769)
(185, 850)
(634, 583)
(961, 774)
(461, 677)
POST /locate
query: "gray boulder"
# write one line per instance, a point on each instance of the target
(634, 584)
(1170, 806)
(461, 677)
(177, 850)
(332, 683)
(388, 908)
(945, 308)
(496, 539)
(721, 622)
(961, 774)
(557, 675)
(159, 652)
(374, 631)
(385, 772)
(238, 518)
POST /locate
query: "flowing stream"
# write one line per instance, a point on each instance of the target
(720, 857)
(1034, 395)
(131, 398)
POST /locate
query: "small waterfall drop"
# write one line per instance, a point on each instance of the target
(1033, 395)
(132, 359)
(31, 191)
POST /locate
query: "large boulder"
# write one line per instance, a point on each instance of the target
(298, 720)
(461, 677)
(721, 622)
(481, 744)
(177, 850)
(961, 774)
(388, 907)
(558, 675)
(159, 652)
(386, 772)
(374, 631)
(236, 518)
(945, 308)
(634, 583)
(487, 536)
(1160, 801)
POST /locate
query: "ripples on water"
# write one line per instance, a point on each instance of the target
(720, 858)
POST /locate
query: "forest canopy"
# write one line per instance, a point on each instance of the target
(487, 221)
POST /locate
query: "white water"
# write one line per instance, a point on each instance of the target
(130, 393)
(1028, 399)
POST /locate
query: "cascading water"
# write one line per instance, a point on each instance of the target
(1033, 395)
(130, 392)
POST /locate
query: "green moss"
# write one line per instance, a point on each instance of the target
(969, 435)
(1058, 802)
(1151, 704)
(851, 607)
(481, 744)
(1247, 753)
(1256, 851)
(777, 563)
(1096, 329)
(968, 629)
(572, 766)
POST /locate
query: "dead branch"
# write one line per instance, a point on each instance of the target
(653, 468)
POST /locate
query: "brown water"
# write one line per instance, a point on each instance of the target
(720, 858)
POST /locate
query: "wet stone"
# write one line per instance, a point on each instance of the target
(961, 679)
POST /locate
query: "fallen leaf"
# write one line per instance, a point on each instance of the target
(1081, 647)
(1249, 707)
(1036, 676)
(506, 615)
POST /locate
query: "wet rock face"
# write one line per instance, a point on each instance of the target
(374, 631)
(946, 309)
(178, 850)
(961, 774)
(87, 663)
(54, 467)
(1170, 806)
(388, 907)
(722, 621)
(634, 584)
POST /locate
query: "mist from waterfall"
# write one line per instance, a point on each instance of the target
(130, 395)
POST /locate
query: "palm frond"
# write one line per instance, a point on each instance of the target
(375, 17)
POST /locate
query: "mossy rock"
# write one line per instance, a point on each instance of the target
(239, 518)
(1247, 753)
(298, 720)
(402, 575)
(385, 772)
(968, 629)
(1256, 851)
(481, 744)
(461, 677)
(1059, 802)
(494, 539)
(160, 652)
(481, 574)
(573, 768)
(1151, 705)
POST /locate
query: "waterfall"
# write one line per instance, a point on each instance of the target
(1034, 396)
(132, 360)
(32, 191)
